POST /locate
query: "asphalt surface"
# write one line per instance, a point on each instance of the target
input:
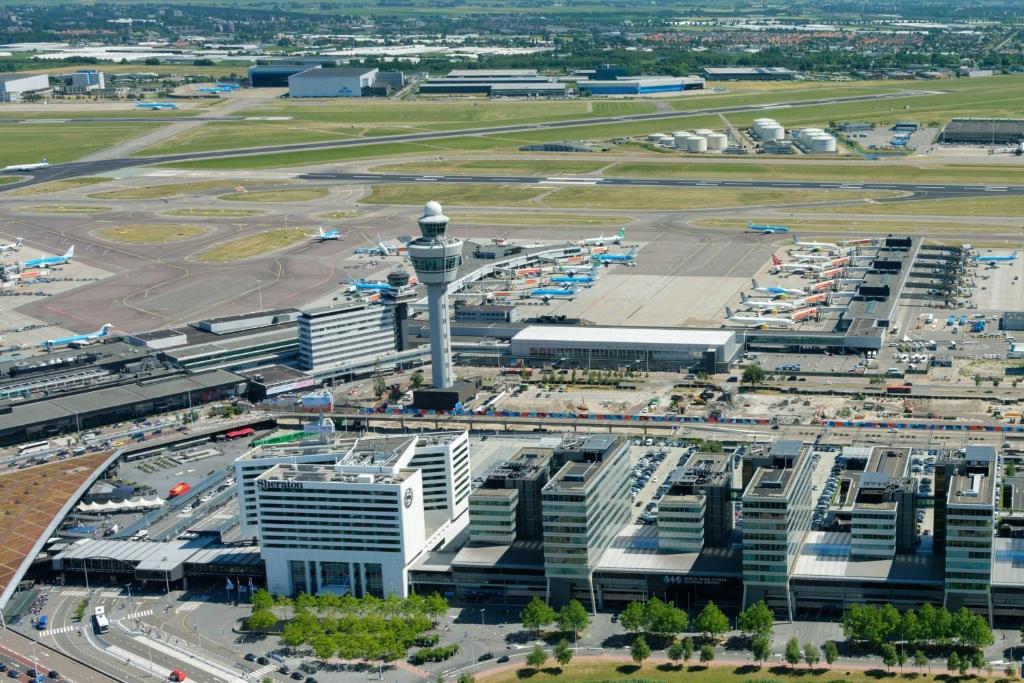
(918, 191)
(82, 168)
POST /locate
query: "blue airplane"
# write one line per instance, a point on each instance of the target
(628, 257)
(363, 285)
(992, 259)
(767, 229)
(589, 279)
(228, 86)
(566, 293)
(156, 105)
(50, 260)
(324, 236)
(67, 341)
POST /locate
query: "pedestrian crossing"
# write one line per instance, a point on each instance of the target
(262, 670)
(74, 592)
(60, 629)
(190, 606)
(139, 615)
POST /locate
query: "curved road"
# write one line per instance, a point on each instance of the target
(81, 168)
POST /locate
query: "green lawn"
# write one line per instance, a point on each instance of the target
(167, 190)
(29, 143)
(989, 205)
(452, 194)
(254, 245)
(303, 194)
(63, 208)
(151, 233)
(213, 213)
(56, 186)
(540, 167)
(538, 218)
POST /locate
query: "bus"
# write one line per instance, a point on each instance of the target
(100, 621)
(33, 448)
(239, 433)
(899, 389)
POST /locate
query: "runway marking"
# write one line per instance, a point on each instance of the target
(930, 187)
(996, 189)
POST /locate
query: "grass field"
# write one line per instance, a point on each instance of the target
(591, 197)
(168, 190)
(213, 213)
(64, 208)
(79, 111)
(56, 186)
(29, 143)
(255, 245)
(989, 205)
(583, 671)
(536, 218)
(151, 233)
(336, 215)
(8, 179)
(540, 167)
(293, 195)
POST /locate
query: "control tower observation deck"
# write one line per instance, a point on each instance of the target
(437, 259)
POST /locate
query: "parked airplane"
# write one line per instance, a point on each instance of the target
(15, 246)
(50, 260)
(628, 257)
(365, 285)
(756, 320)
(993, 259)
(382, 248)
(588, 279)
(815, 246)
(66, 341)
(602, 240)
(156, 105)
(774, 306)
(324, 236)
(776, 291)
(767, 229)
(547, 294)
(27, 167)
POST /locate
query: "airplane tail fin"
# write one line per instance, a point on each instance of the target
(796, 240)
(320, 228)
(753, 281)
(728, 312)
(103, 330)
(743, 297)
(622, 232)
(776, 261)
(17, 243)
(71, 252)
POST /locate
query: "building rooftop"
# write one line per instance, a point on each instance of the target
(769, 482)
(328, 474)
(490, 73)
(635, 550)
(573, 475)
(143, 555)
(971, 489)
(493, 493)
(891, 462)
(525, 463)
(333, 72)
(519, 555)
(826, 555)
(650, 336)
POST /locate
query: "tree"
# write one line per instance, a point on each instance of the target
(465, 678)
(416, 380)
(687, 649)
(563, 653)
(953, 663)
(634, 617)
(831, 652)
(537, 657)
(639, 651)
(901, 658)
(888, 655)
(261, 620)
(977, 660)
(760, 648)
(707, 654)
(536, 615)
(1011, 469)
(753, 374)
(811, 654)
(920, 659)
(965, 664)
(261, 599)
(757, 620)
(435, 606)
(711, 621)
(664, 618)
(573, 617)
(675, 652)
(1010, 671)
(792, 654)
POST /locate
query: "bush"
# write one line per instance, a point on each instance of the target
(435, 654)
(427, 641)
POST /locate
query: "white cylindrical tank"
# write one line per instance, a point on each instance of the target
(680, 133)
(822, 144)
(703, 132)
(697, 144)
(773, 133)
(681, 140)
(807, 133)
(717, 141)
(761, 124)
(655, 137)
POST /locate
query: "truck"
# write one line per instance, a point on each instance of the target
(178, 489)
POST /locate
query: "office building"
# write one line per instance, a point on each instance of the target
(702, 486)
(392, 80)
(437, 259)
(14, 87)
(526, 472)
(681, 519)
(88, 79)
(970, 508)
(331, 82)
(350, 334)
(486, 313)
(585, 504)
(492, 516)
(776, 518)
(882, 504)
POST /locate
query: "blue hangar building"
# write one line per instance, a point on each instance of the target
(640, 85)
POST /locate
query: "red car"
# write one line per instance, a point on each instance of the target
(177, 675)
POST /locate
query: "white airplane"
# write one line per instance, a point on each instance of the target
(382, 248)
(767, 305)
(756, 320)
(815, 246)
(11, 247)
(324, 236)
(776, 291)
(27, 167)
(602, 240)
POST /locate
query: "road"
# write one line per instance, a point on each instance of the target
(14, 646)
(918, 191)
(83, 168)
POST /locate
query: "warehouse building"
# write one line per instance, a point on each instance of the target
(14, 87)
(748, 73)
(641, 85)
(274, 75)
(496, 82)
(983, 132)
(331, 82)
(636, 348)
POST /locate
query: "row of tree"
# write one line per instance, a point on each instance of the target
(367, 628)
(664, 619)
(571, 618)
(875, 625)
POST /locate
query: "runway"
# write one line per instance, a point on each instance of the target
(918, 191)
(83, 168)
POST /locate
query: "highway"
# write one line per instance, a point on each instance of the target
(919, 191)
(82, 168)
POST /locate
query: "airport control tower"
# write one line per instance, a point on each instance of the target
(437, 259)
